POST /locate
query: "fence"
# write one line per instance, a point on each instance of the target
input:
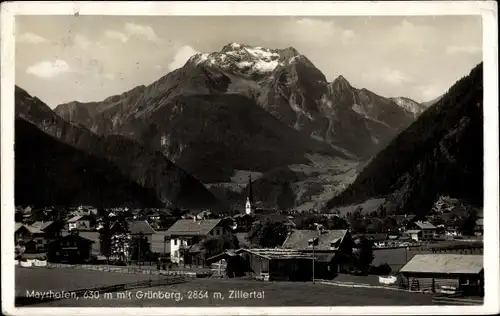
(132, 270)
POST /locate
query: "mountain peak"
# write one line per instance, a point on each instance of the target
(341, 82)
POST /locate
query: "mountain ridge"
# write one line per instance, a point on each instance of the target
(446, 147)
(149, 169)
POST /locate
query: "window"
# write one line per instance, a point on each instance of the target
(175, 242)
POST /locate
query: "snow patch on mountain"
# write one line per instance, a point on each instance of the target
(243, 59)
(409, 105)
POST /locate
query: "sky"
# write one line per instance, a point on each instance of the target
(89, 58)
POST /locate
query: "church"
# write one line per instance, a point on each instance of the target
(250, 203)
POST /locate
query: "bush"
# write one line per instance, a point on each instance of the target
(383, 269)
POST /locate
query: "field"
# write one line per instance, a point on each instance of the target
(57, 279)
(274, 293)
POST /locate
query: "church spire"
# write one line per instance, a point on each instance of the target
(249, 207)
(250, 193)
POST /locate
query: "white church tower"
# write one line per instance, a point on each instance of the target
(249, 207)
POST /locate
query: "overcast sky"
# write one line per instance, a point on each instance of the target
(88, 58)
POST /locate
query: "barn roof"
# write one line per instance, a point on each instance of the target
(299, 239)
(281, 253)
(189, 227)
(444, 264)
(425, 225)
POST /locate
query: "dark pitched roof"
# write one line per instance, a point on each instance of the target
(444, 263)
(299, 239)
(42, 225)
(30, 228)
(189, 227)
(137, 227)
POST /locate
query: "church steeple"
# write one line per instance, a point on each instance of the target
(249, 207)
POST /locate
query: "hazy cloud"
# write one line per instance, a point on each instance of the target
(181, 57)
(388, 75)
(48, 69)
(389, 55)
(116, 35)
(310, 30)
(347, 36)
(430, 92)
(31, 38)
(145, 31)
(82, 41)
(463, 49)
(109, 76)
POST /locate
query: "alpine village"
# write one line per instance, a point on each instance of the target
(270, 179)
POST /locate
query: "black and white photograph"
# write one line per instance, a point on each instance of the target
(251, 160)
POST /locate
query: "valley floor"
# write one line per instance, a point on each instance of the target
(215, 292)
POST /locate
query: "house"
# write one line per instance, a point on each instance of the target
(414, 234)
(467, 270)
(51, 229)
(278, 264)
(332, 247)
(29, 237)
(185, 234)
(404, 220)
(276, 218)
(243, 222)
(427, 230)
(379, 240)
(93, 236)
(81, 222)
(479, 228)
(71, 248)
(229, 263)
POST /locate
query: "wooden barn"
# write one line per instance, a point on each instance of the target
(463, 272)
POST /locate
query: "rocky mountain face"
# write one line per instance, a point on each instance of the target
(49, 172)
(137, 163)
(440, 154)
(251, 109)
(411, 106)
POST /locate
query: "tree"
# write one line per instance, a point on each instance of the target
(267, 234)
(215, 245)
(336, 222)
(468, 225)
(105, 233)
(363, 254)
(140, 245)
